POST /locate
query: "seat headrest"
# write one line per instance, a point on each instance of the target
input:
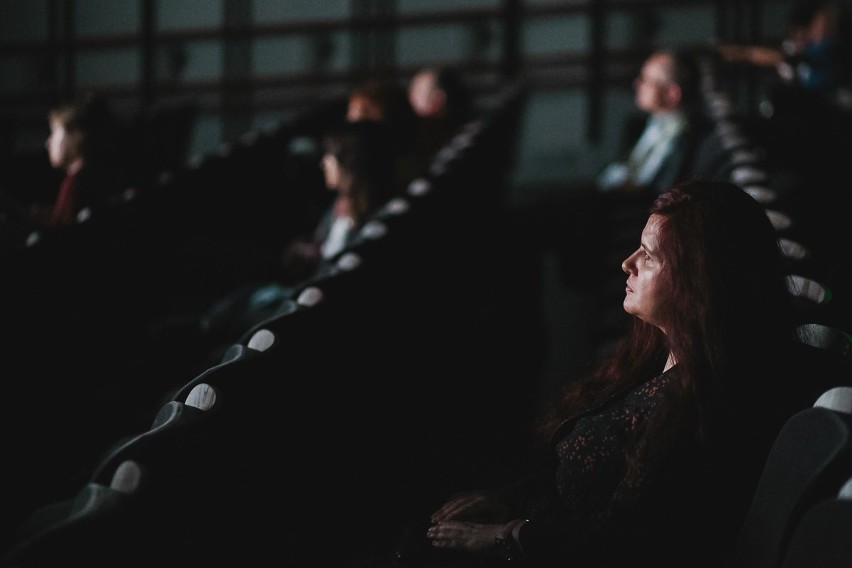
(808, 288)
(838, 399)
(310, 296)
(202, 396)
(127, 477)
(261, 340)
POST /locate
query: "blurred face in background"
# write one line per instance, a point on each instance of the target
(363, 108)
(655, 88)
(63, 145)
(424, 95)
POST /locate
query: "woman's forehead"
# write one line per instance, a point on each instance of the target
(653, 227)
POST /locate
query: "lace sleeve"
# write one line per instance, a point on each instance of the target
(590, 478)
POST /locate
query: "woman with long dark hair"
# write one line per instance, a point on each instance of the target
(653, 458)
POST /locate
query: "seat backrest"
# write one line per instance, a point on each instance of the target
(761, 194)
(823, 336)
(820, 361)
(258, 341)
(172, 417)
(261, 340)
(808, 289)
(823, 538)
(806, 462)
(812, 300)
(838, 399)
(88, 529)
(748, 175)
(780, 220)
(794, 250)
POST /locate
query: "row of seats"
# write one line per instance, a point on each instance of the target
(801, 510)
(254, 432)
(352, 382)
(78, 302)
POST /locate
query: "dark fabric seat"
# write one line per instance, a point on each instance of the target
(808, 462)
(93, 528)
(822, 538)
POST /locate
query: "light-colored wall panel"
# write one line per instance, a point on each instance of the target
(203, 60)
(434, 43)
(95, 69)
(623, 29)
(551, 124)
(106, 17)
(20, 75)
(22, 20)
(175, 15)
(295, 53)
(568, 34)
(686, 25)
(554, 134)
(278, 11)
(421, 6)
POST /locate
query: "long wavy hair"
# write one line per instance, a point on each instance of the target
(730, 313)
(364, 151)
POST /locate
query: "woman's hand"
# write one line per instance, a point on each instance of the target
(471, 506)
(470, 537)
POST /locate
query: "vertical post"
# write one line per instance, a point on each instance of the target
(68, 51)
(374, 48)
(52, 60)
(512, 20)
(361, 52)
(755, 35)
(596, 68)
(148, 87)
(237, 97)
(386, 40)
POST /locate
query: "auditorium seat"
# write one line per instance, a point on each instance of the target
(780, 220)
(794, 250)
(236, 357)
(761, 193)
(823, 538)
(809, 289)
(838, 399)
(94, 528)
(831, 339)
(171, 417)
(807, 462)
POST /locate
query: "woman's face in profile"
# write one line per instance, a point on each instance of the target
(63, 146)
(648, 284)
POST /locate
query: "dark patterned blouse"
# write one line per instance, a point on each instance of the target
(584, 511)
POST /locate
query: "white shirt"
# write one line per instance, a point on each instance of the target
(337, 235)
(648, 154)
